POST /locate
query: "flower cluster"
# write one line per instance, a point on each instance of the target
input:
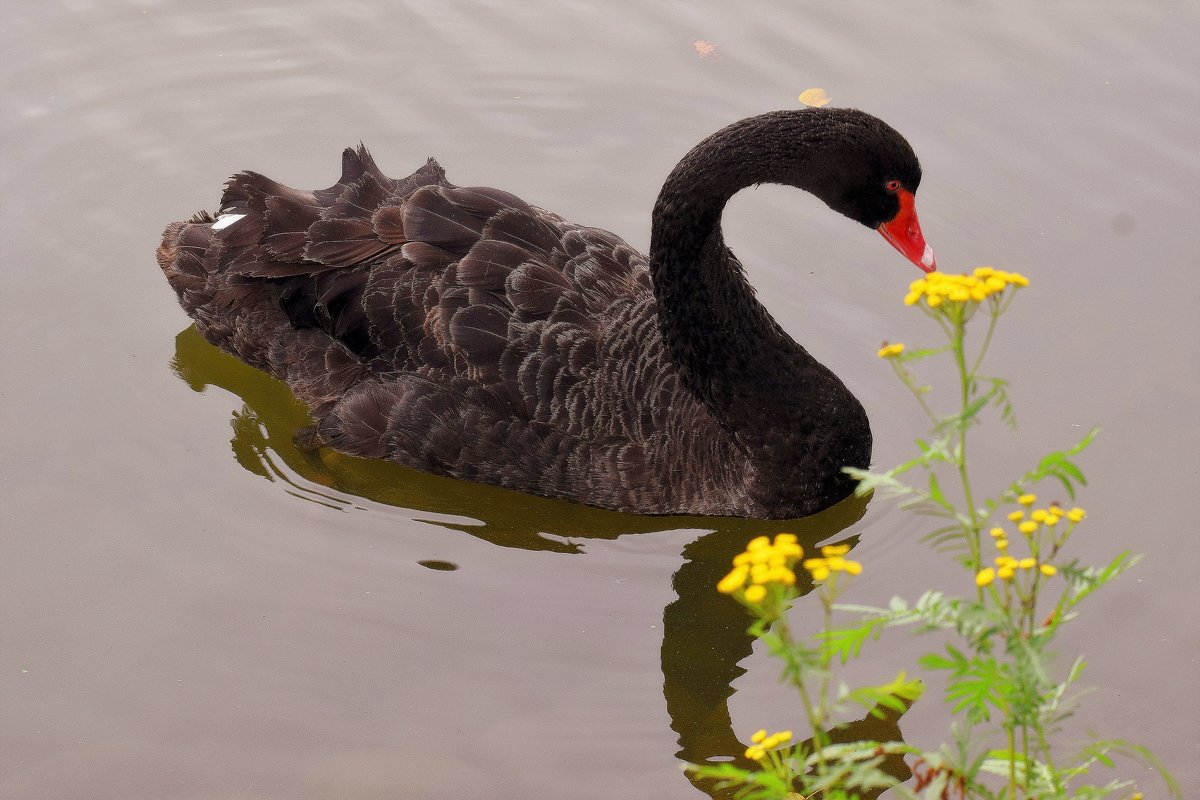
(1006, 569)
(1045, 519)
(937, 288)
(764, 742)
(763, 564)
(1048, 517)
(832, 561)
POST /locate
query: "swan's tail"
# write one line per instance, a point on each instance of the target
(244, 317)
(246, 275)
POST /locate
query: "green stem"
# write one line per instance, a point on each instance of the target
(907, 379)
(1035, 587)
(965, 380)
(815, 721)
(1046, 757)
(1012, 763)
(987, 340)
(1025, 752)
(827, 598)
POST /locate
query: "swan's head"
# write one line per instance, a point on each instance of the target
(862, 168)
(858, 164)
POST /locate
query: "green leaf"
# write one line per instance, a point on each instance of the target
(1059, 466)
(917, 355)
(748, 785)
(935, 492)
(896, 695)
(948, 539)
(935, 661)
(1083, 582)
(869, 482)
(998, 764)
(847, 642)
(1101, 747)
(1072, 471)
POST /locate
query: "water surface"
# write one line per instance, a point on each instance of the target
(192, 609)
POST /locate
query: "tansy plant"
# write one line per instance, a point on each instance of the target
(1006, 695)
(764, 580)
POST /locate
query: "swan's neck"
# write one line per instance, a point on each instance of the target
(783, 407)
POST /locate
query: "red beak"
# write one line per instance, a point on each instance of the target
(904, 232)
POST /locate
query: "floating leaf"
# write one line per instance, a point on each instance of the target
(706, 49)
(815, 97)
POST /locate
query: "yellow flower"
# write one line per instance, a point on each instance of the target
(891, 350)
(1076, 514)
(1027, 563)
(1016, 516)
(833, 561)
(938, 287)
(782, 575)
(734, 580)
(763, 562)
(1051, 520)
(818, 568)
(760, 556)
(1005, 567)
(1002, 544)
(776, 739)
(763, 742)
(1038, 515)
(1048, 569)
(997, 533)
(1027, 499)
(1027, 527)
(985, 577)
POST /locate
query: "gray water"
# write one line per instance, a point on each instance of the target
(183, 618)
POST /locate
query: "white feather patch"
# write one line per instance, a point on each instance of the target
(225, 221)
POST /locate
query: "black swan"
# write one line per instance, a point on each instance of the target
(464, 332)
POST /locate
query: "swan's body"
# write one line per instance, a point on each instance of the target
(466, 333)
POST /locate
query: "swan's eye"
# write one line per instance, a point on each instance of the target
(893, 186)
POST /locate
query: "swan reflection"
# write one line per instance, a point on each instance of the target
(704, 633)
